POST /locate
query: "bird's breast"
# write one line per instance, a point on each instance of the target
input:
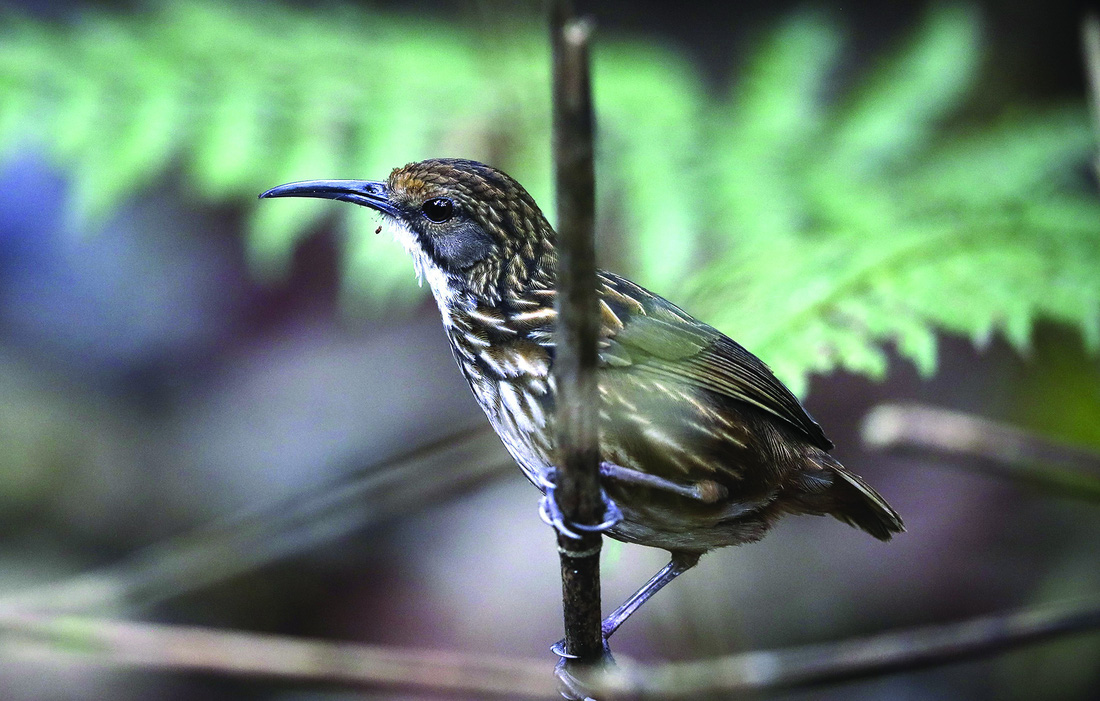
(509, 374)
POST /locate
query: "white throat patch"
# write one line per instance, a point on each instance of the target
(446, 296)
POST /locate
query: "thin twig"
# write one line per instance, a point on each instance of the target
(412, 480)
(577, 487)
(69, 639)
(1090, 39)
(994, 448)
(817, 665)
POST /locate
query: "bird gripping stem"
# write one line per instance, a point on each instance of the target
(577, 489)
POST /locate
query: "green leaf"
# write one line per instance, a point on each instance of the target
(816, 227)
(647, 113)
(762, 136)
(895, 112)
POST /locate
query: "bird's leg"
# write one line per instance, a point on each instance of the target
(681, 562)
(551, 514)
(706, 491)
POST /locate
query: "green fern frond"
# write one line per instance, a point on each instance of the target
(895, 112)
(895, 230)
(817, 229)
(660, 213)
(762, 138)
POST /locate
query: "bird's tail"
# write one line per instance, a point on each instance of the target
(865, 508)
(856, 503)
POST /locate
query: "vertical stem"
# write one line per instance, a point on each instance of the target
(577, 489)
(1090, 35)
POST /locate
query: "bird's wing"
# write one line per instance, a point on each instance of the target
(649, 334)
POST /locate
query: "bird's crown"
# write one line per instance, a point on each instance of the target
(452, 187)
(469, 227)
(473, 219)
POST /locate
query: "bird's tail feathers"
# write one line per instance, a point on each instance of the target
(870, 511)
(858, 504)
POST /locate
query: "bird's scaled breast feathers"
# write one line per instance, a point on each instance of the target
(669, 385)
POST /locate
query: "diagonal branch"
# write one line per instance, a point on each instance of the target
(814, 666)
(126, 644)
(1090, 39)
(228, 548)
(997, 449)
(68, 639)
(577, 487)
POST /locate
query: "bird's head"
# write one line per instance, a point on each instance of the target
(471, 229)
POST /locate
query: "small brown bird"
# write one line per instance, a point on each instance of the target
(701, 445)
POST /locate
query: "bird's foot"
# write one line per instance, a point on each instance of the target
(607, 627)
(558, 649)
(551, 514)
(706, 491)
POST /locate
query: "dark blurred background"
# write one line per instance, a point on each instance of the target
(152, 383)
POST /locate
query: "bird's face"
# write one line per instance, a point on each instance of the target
(466, 225)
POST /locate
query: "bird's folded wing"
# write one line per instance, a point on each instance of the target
(652, 336)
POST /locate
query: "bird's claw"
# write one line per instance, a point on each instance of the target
(551, 514)
(558, 649)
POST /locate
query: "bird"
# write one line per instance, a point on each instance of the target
(701, 446)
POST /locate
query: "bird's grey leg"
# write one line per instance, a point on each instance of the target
(706, 491)
(681, 562)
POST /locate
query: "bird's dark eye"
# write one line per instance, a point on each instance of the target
(438, 209)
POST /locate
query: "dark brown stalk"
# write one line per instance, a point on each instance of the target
(1090, 39)
(577, 486)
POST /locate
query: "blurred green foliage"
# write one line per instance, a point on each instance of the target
(860, 222)
(812, 227)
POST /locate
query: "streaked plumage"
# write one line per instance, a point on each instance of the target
(705, 446)
(679, 400)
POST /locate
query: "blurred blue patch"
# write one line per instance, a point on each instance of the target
(147, 286)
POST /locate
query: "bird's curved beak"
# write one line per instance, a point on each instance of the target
(369, 193)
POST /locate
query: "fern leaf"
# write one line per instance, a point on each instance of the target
(647, 116)
(376, 274)
(772, 120)
(895, 111)
(818, 229)
(1012, 159)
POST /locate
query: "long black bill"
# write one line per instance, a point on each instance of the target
(369, 193)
